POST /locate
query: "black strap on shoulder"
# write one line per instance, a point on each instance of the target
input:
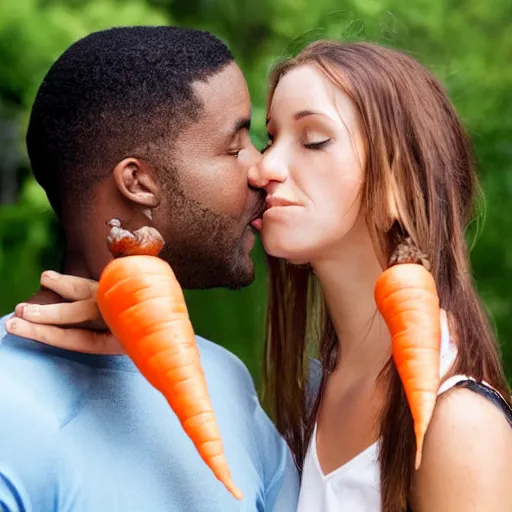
(490, 394)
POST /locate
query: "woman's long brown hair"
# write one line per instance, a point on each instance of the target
(413, 138)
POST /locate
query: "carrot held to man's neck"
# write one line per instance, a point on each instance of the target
(143, 305)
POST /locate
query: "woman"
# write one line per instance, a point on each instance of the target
(366, 153)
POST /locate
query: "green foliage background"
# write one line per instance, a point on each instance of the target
(468, 44)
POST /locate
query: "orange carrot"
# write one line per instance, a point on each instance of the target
(407, 299)
(143, 305)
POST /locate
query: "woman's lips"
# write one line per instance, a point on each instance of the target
(273, 201)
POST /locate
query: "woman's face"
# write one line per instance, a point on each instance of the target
(312, 168)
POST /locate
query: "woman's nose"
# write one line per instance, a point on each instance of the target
(267, 170)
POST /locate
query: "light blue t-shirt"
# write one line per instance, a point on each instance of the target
(88, 433)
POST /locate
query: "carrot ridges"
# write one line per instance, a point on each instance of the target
(143, 305)
(407, 299)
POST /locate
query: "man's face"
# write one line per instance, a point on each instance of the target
(208, 207)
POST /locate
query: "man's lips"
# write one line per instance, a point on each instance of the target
(270, 202)
(256, 222)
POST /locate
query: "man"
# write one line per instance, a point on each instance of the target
(149, 125)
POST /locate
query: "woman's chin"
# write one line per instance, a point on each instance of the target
(279, 247)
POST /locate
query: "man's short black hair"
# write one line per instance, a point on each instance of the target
(111, 94)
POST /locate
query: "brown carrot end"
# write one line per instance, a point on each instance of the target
(407, 252)
(144, 241)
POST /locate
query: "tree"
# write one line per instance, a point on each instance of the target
(467, 45)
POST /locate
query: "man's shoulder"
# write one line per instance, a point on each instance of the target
(28, 430)
(20, 385)
(221, 364)
(229, 375)
(217, 353)
(31, 386)
(12, 361)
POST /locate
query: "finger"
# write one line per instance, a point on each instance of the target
(63, 313)
(77, 340)
(69, 287)
(44, 296)
(18, 310)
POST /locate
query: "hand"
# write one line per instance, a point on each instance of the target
(75, 325)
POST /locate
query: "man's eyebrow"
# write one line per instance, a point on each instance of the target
(242, 124)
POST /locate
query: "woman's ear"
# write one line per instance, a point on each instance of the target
(137, 182)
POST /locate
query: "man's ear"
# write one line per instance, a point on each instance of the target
(137, 182)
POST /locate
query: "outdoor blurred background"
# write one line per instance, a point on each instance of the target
(468, 44)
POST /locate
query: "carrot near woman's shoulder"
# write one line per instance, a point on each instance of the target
(467, 457)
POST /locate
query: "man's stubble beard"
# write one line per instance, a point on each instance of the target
(204, 247)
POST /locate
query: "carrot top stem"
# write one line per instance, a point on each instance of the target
(407, 252)
(144, 241)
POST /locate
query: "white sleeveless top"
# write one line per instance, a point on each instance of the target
(355, 486)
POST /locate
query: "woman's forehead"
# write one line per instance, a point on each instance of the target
(307, 88)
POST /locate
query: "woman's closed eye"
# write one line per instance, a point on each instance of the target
(317, 145)
(314, 144)
(315, 138)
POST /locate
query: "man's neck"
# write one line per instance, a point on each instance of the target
(86, 259)
(74, 263)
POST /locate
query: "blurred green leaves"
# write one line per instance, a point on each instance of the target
(468, 45)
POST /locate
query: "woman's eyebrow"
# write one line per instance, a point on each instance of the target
(300, 115)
